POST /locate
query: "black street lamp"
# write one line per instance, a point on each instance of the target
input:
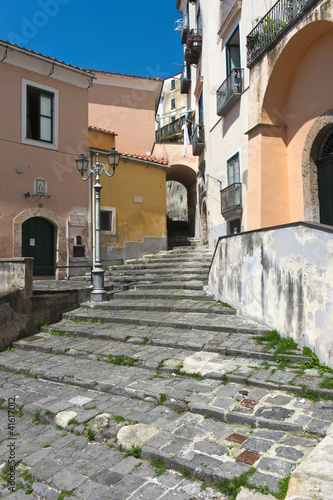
(82, 163)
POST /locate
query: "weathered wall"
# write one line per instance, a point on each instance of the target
(281, 277)
(16, 274)
(20, 316)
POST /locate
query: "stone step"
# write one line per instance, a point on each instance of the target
(205, 397)
(167, 294)
(164, 304)
(172, 436)
(225, 322)
(231, 344)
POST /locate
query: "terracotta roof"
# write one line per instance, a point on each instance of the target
(124, 74)
(102, 130)
(30, 51)
(146, 158)
(151, 159)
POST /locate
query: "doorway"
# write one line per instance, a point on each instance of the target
(38, 237)
(325, 179)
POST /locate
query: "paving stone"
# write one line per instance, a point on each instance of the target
(210, 448)
(106, 477)
(288, 452)
(149, 490)
(66, 480)
(91, 490)
(257, 445)
(260, 479)
(130, 483)
(44, 491)
(274, 413)
(275, 466)
(44, 470)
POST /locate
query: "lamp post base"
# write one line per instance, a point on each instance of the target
(98, 293)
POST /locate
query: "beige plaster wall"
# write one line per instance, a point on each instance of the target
(127, 110)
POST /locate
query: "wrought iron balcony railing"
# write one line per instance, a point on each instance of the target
(172, 132)
(231, 201)
(273, 25)
(193, 46)
(230, 91)
(198, 139)
(185, 79)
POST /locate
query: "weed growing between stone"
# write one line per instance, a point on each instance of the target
(135, 451)
(158, 465)
(283, 345)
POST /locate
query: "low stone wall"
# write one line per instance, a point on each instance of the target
(281, 277)
(21, 316)
(16, 273)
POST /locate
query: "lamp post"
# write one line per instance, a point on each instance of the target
(82, 163)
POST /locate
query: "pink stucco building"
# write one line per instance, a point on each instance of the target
(43, 128)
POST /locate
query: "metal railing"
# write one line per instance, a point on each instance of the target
(185, 79)
(280, 17)
(171, 130)
(231, 198)
(198, 138)
(229, 91)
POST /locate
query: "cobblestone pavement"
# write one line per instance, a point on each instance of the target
(160, 392)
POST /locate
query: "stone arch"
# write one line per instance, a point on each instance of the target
(60, 235)
(186, 176)
(309, 165)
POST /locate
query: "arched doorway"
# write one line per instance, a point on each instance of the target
(325, 179)
(38, 241)
(179, 231)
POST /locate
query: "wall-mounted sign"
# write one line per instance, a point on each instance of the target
(32, 242)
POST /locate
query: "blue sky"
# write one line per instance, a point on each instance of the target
(134, 37)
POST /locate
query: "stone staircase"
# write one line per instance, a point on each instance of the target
(209, 393)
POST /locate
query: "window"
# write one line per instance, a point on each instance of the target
(173, 84)
(233, 52)
(233, 170)
(39, 115)
(173, 103)
(108, 219)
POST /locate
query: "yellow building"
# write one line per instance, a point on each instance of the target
(133, 202)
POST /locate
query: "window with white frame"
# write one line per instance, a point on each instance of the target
(39, 115)
(108, 220)
(233, 170)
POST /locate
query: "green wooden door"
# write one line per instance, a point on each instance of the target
(38, 242)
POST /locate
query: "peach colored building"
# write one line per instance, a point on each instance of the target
(290, 161)
(43, 128)
(127, 104)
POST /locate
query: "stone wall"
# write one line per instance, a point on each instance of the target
(281, 277)
(21, 316)
(16, 273)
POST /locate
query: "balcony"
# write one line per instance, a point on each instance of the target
(172, 132)
(185, 79)
(273, 25)
(198, 139)
(230, 91)
(231, 201)
(193, 47)
(185, 29)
